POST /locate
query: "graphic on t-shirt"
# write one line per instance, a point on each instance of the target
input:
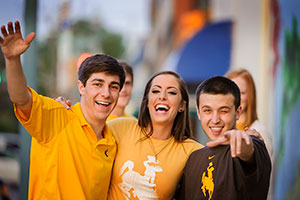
(207, 181)
(137, 186)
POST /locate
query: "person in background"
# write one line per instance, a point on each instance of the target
(248, 118)
(125, 94)
(233, 165)
(72, 150)
(153, 150)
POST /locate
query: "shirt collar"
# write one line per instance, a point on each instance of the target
(77, 110)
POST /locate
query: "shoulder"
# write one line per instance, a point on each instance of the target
(111, 117)
(122, 121)
(257, 143)
(123, 125)
(44, 102)
(191, 145)
(259, 126)
(128, 115)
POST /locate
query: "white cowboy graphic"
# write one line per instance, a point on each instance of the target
(142, 187)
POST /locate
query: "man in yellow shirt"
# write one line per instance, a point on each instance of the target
(72, 151)
(125, 93)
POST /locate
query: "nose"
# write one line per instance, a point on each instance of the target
(162, 95)
(105, 92)
(216, 118)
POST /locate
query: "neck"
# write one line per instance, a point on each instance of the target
(118, 111)
(98, 129)
(162, 132)
(97, 125)
(242, 117)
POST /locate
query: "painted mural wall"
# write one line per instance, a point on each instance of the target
(286, 68)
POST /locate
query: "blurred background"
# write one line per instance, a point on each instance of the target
(196, 38)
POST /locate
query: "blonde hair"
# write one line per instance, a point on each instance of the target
(251, 113)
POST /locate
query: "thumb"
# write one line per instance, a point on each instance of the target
(29, 38)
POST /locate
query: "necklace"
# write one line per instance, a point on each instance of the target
(153, 149)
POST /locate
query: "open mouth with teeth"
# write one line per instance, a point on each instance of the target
(163, 108)
(216, 130)
(103, 103)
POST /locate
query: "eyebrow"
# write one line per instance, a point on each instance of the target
(206, 106)
(226, 107)
(115, 82)
(102, 81)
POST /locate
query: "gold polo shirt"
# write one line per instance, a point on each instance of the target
(67, 161)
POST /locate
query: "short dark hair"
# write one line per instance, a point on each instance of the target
(181, 128)
(100, 63)
(127, 68)
(219, 85)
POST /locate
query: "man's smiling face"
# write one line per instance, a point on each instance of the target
(99, 96)
(217, 114)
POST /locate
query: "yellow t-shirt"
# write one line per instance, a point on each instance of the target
(67, 161)
(136, 173)
(111, 116)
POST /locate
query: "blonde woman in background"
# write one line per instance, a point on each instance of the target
(248, 118)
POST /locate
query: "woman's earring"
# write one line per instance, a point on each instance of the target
(181, 110)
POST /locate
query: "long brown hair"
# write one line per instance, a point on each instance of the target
(181, 128)
(251, 113)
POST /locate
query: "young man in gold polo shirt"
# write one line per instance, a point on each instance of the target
(72, 151)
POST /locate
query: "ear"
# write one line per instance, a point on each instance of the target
(238, 113)
(80, 87)
(198, 113)
(182, 107)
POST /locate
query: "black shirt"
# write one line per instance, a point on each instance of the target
(211, 173)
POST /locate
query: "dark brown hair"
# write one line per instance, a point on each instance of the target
(219, 85)
(100, 63)
(127, 68)
(181, 127)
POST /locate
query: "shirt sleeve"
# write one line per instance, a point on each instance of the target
(46, 120)
(259, 181)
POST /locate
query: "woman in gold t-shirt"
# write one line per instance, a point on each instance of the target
(153, 150)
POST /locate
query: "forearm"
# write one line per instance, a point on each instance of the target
(17, 84)
(247, 154)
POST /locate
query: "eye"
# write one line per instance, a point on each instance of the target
(172, 93)
(97, 84)
(155, 91)
(127, 83)
(224, 111)
(114, 87)
(206, 110)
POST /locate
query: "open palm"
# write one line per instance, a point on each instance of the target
(12, 42)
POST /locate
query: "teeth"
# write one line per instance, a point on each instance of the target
(102, 103)
(162, 107)
(216, 128)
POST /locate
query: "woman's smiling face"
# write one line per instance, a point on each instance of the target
(164, 99)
